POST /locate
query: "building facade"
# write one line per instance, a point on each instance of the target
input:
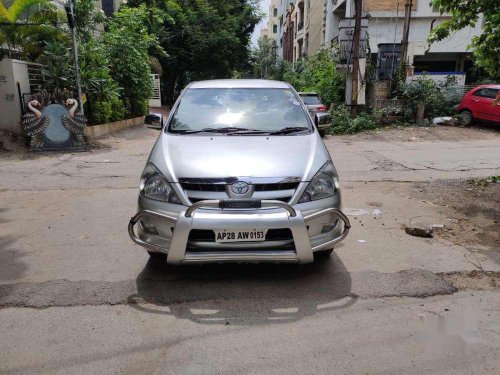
(385, 21)
(273, 20)
(304, 26)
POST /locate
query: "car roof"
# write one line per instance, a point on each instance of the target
(307, 93)
(489, 86)
(239, 83)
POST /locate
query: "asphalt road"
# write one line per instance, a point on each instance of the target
(76, 296)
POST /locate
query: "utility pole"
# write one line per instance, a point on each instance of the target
(358, 6)
(406, 34)
(70, 12)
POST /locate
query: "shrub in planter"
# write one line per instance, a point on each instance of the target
(117, 109)
(342, 123)
(390, 115)
(101, 112)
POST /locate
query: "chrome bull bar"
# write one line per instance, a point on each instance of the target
(183, 223)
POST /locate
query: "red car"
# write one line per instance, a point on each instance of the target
(481, 103)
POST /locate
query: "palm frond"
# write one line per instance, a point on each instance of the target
(17, 8)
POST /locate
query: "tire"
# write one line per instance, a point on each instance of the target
(466, 118)
(322, 133)
(157, 257)
(323, 254)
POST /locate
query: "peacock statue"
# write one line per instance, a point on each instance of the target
(74, 121)
(53, 121)
(34, 121)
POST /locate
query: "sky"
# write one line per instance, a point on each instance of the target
(264, 7)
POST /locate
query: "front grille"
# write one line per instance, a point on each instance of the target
(282, 199)
(278, 186)
(222, 187)
(203, 187)
(206, 235)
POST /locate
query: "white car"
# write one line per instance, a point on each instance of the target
(238, 174)
(317, 110)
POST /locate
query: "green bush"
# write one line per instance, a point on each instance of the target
(101, 112)
(439, 99)
(117, 109)
(342, 123)
(317, 73)
(127, 43)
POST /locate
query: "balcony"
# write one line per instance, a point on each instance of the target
(346, 40)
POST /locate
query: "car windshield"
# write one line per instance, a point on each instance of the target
(310, 99)
(240, 111)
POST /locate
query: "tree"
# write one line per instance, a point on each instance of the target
(127, 43)
(14, 12)
(317, 73)
(27, 26)
(320, 75)
(203, 38)
(265, 58)
(467, 13)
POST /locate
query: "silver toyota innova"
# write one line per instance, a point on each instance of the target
(238, 174)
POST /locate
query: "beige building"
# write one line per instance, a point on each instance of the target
(304, 29)
(314, 25)
(264, 33)
(273, 22)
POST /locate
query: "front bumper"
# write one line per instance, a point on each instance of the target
(174, 238)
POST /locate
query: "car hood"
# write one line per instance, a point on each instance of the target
(185, 156)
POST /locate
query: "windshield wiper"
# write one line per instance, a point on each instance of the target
(289, 130)
(225, 130)
(248, 131)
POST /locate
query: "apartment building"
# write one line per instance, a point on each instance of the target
(273, 20)
(280, 8)
(300, 30)
(383, 21)
(303, 26)
(107, 6)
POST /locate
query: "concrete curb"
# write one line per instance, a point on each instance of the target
(101, 130)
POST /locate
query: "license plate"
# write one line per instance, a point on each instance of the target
(240, 235)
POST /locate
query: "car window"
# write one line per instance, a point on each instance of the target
(310, 99)
(260, 109)
(486, 93)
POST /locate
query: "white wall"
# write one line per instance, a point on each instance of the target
(459, 77)
(382, 31)
(11, 73)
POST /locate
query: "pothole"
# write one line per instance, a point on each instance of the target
(472, 280)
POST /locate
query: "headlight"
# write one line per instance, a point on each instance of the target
(323, 185)
(154, 185)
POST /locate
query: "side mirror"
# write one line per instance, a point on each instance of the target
(154, 121)
(322, 118)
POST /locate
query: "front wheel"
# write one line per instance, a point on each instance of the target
(466, 118)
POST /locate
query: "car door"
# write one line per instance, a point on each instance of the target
(485, 105)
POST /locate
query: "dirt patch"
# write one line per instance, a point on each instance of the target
(472, 208)
(474, 280)
(11, 143)
(420, 134)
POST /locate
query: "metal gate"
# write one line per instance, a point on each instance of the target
(155, 100)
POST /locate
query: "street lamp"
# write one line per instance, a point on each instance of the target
(70, 12)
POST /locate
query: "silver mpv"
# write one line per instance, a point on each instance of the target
(238, 174)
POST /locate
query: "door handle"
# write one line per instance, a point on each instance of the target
(475, 100)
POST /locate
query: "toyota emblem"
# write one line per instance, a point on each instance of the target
(240, 187)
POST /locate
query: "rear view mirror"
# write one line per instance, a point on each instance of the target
(154, 121)
(322, 118)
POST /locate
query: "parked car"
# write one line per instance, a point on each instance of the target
(481, 103)
(238, 174)
(314, 107)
